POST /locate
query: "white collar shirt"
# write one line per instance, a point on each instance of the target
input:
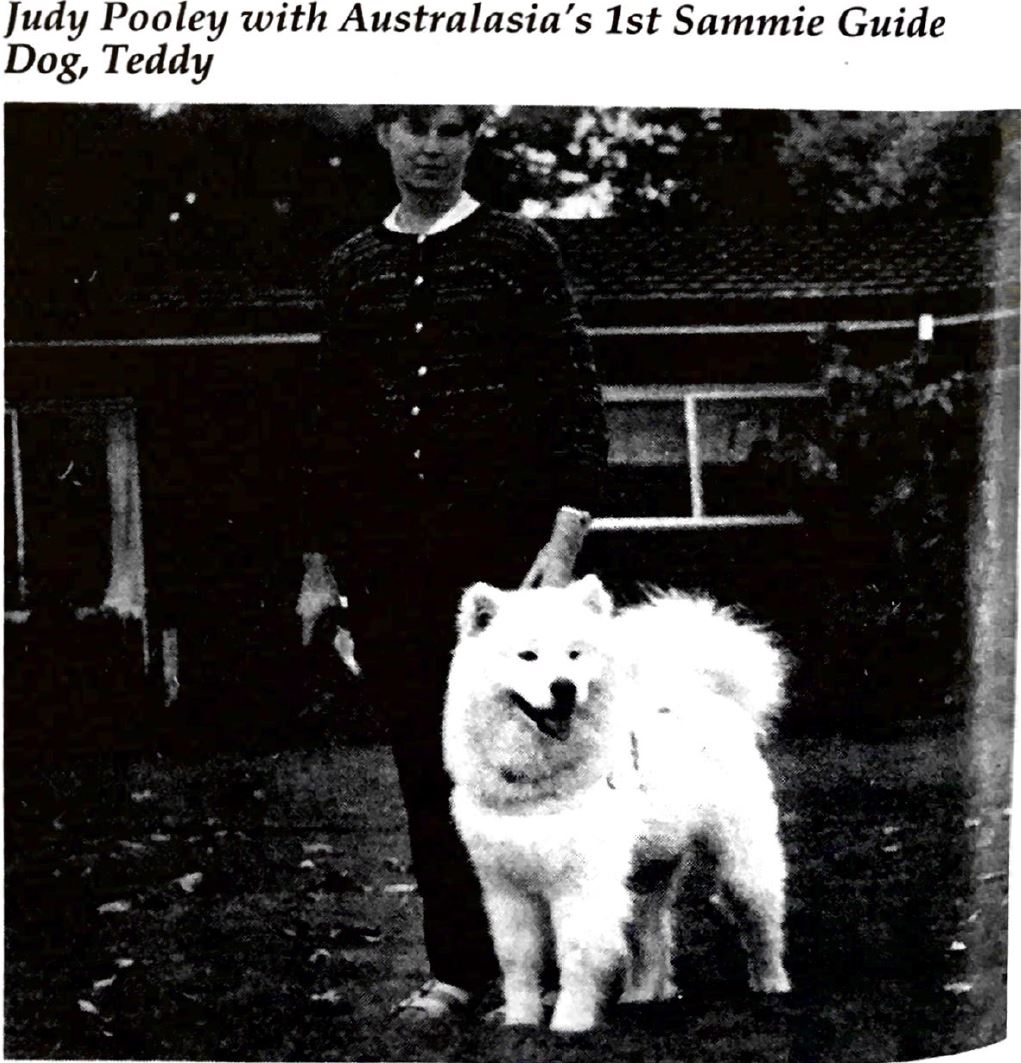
(466, 205)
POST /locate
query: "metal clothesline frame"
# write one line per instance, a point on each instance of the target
(689, 396)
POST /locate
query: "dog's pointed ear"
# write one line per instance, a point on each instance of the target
(479, 604)
(594, 595)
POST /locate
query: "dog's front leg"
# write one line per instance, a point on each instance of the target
(588, 927)
(519, 939)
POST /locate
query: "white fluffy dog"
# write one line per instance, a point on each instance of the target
(589, 748)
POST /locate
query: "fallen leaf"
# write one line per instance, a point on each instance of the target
(957, 987)
(308, 865)
(124, 962)
(142, 795)
(116, 906)
(316, 847)
(331, 996)
(189, 882)
(957, 946)
(88, 1007)
(400, 888)
(104, 983)
(160, 837)
(350, 934)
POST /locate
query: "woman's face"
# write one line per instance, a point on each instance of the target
(428, 150)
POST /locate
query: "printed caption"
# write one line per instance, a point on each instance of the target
(115, 38)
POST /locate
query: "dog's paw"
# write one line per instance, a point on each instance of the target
(573, 1020)
(774, 982)
(523, 1015)
(649, 993)
(569, 1026)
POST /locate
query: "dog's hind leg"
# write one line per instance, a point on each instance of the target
(650, 951)
(752, 872)
(650, 935)
(519, 935)
(588, 927)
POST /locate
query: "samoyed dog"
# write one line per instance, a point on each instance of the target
(589, 749)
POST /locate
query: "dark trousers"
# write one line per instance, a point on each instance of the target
(456, 934)
(404, 634)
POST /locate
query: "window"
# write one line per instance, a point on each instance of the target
(683, 456)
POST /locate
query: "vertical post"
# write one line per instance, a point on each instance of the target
(993, 615)
(694, 455)
(926, 328)
(168, 655)
(125, 593)
(18, 492)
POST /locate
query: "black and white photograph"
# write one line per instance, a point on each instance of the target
(508, 582)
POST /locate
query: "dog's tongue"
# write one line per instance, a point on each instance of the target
(558, 727)
(554, 723)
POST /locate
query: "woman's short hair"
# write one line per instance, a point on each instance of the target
(384, 114)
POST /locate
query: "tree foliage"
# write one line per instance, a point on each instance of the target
(890, 161)
(889, 458)
(628, 161)
(115, 191)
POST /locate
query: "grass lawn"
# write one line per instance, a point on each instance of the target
(262, 907)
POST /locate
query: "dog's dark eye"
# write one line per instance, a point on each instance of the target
(528, 655)
(574, 654)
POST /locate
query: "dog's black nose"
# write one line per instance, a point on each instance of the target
(564, 692)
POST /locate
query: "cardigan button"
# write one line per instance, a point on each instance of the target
(419, 280)
(415, 411)
(419, 326)
(422, 370)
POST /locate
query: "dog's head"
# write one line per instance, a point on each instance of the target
(538, 650)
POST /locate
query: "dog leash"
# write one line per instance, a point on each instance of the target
(554, 564)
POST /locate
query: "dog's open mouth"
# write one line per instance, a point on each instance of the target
(554, 722)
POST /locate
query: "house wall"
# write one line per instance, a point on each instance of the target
(200, 434)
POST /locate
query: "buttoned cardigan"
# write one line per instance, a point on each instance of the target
(454, 374)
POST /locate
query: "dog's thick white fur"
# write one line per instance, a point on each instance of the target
(589, 748)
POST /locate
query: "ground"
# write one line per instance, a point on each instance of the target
(262, 907)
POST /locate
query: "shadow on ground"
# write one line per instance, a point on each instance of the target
(263, 908)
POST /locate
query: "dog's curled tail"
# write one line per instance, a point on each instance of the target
(741, 660)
